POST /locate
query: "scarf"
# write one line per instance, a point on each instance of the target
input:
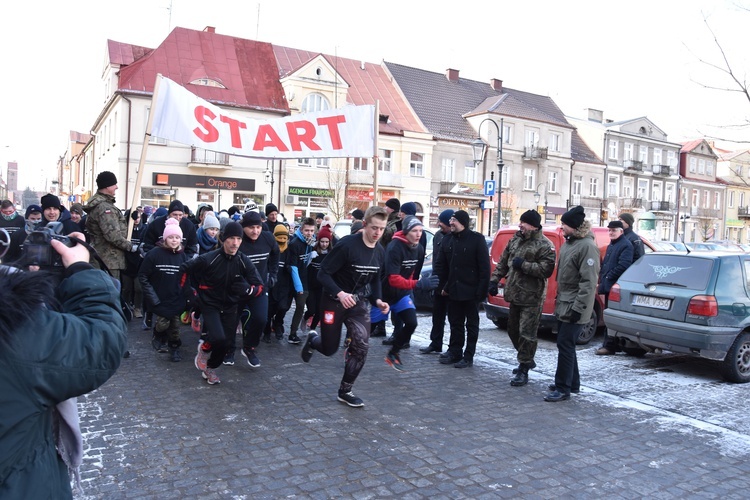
(205, 241)
(282, 240)
(310, 242)
(9, 217)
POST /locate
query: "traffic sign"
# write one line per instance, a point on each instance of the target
(489, 188)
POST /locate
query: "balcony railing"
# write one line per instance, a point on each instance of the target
(534, 153)
(585, 201)
(662, 206)
(664, 170)
(631, 202)
(633, 165)
(704, 213)
(360, 177)
(204, 156)
(743, 211)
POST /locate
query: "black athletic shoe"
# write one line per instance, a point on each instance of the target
(229, 358)
(307, 349)
(350, 399)
(294, 339)
(251, 357)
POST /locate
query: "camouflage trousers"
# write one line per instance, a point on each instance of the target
(168, 328)
(523, 323)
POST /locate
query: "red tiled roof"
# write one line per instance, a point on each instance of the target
(123, 54)
(367, 83)
(246, 68)
(690, 145)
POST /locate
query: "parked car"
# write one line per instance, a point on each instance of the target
(677, 246)
(497, 308)
(696, 304)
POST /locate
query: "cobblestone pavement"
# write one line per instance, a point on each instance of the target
(157, 430)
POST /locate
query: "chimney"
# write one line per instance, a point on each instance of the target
(496, 85)
(451, 75)
(209, 29)
(594, 115)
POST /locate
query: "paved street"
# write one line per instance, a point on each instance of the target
(659, 427)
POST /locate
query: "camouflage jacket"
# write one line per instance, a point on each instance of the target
(526, 286)
(107, 228)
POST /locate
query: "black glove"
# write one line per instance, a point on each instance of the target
(492, 289)
(517, 262)
(428, 283)
(575, 316)
(271, 281)
(242, 288)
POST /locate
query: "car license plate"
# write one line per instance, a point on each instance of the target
(652, 302)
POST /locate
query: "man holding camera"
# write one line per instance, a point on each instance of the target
(106, 226)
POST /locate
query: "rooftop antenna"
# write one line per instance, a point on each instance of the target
(169, 9)
(257, 23)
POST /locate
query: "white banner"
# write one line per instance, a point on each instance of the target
(181, 116)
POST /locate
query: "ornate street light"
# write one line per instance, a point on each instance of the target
(268, 176)
(479, 149)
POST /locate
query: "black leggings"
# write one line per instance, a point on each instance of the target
(357, 322)
(407, 321)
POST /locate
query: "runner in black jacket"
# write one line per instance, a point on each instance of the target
(350, 276)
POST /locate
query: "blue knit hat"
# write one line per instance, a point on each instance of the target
(445, 216)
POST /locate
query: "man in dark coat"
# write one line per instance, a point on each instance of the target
(618, 258)
(465, 262)
(53, 211)
(627, 223)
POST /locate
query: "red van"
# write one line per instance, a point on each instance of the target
(496, 308)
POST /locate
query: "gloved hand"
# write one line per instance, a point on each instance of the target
(134, 247)
(517, 262)
(427, 283)
(493, 289)
(575, 316)
(271, 281)
(244, 289)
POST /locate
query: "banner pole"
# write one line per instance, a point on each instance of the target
(376, 130)
(142, 162)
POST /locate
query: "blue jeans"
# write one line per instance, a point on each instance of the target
(567, 376)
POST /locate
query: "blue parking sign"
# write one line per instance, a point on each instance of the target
(489, 188)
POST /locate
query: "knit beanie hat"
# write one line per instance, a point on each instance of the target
(409, 208)
(233, 229)
(160, 212)
(445, 216)
(462, 216)
(627, 218)
(325, 232)
(410, 222)
(210, 221)
(50, 201)
(105, 180)
(251, 219)
(76, 208)
(532, 218)
(31, 209)
(172, 227)
(393, 204)
(356, 226)
(270, 208)
(574, 217)
(358, 214)
(176, 206)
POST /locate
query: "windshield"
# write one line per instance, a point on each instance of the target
(675, 270)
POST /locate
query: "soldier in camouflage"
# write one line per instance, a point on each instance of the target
(527, 261)
(107, 226)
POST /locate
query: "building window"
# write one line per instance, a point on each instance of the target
(552, 183)
(709, 165)
(627, 187)
(693, 165)
(670, 192)
(613, 185)
(643, 154)
(157, 196)
(361, 164)
(731, 199)
(532, 138)
(207, 82)
(152, 140)
(448, 169)
(627, 153)
(416, 165)
(656, 191)
(716, 200)
(529, 179)
(554, 142)
(742, 199)
(577, 185)
(313, 162)
(470, 173)
(702, 166)
(507, 134)
(384, 160)
(612, 149)
(695, 197)
(671, 159)
(705, 199)
(657, 156)
(314, 102)
(504, 178)
(642, 189)
(594, 187)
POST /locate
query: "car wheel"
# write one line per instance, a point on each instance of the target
(634, 351)
(736, 366)
(589, 330)
(501, 323)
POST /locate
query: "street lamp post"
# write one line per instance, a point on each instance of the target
(684, 219)
(479, 148)
(268, 176)
(538, 196)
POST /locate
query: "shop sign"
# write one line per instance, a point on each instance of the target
(308, 191)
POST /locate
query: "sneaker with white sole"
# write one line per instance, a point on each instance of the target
(201, 359)
(294, 339)
(211, 377)
(308, 349)
(251, 357)
(195, 323)
(394, 361)
(350, 399)
(229, 358)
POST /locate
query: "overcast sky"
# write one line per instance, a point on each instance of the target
(629, 59)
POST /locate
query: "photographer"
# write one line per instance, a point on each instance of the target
(57, 343)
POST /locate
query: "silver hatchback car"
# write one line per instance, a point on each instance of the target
(696, 303)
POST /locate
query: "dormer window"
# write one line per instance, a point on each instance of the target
(207, 82)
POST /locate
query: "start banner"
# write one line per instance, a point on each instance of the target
(181, 116)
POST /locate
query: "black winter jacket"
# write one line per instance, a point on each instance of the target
(463, 266)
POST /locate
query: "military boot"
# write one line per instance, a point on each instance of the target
(521, 377)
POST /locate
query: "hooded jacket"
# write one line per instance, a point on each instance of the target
(48, 357)
(403, 267)
(526, 286)
(302, 253)
(577, 275)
